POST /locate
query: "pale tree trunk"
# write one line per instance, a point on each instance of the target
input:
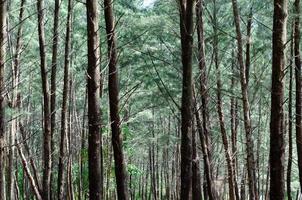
(277, 100)
(93, 89)
(117, 140)
(251, 165)
(62, 158)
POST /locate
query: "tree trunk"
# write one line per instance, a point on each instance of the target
(290, 123)
(204, 132)
(46, 104)
(3, 5)
(277, 101)
(231, 175)
(251, 167)
(53, 85)
(186, 30)
(298, 86)
(117, 140)
(93, 89)
(62, 158)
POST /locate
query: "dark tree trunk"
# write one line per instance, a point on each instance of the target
(93, 88)
(3, 5)
(53, 80)
(186, 29)
(277, 101)
(46, 103)
(117, 140)
(230, 170)
(62, 164)
(298, 86)
(290, 123)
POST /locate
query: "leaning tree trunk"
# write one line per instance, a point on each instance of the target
(186, 30)
(251, 165)
(117, 141)
(93, 89)
(298, 86)
(62, 158)
(277, 101)
(3, 6)
(46, 104)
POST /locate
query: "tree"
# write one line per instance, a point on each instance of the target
(62, 165)
(277, 101)
(3, 5)
(186, 32)
(113, 87)
(46, 103)
(93, 92)
(298, 77)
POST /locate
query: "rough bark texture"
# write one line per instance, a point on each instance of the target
(186, 29)
(117, 140)
(93, 89)
(277, 100)
(298, 86)
(62, 159)
(2, 88)
(251, 165)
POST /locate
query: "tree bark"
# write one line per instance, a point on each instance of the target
(62, 158)
(117, 140)
(3, 5)
(277, 100)
(186, 30)
(93, 89)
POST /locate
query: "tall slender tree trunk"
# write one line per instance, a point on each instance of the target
(53, 85)
(251, 165)
(62, 158)
(204, 132)
(230, 170)
(3, 13)
(46, 104)
(290, 122)
(186, 30)
(93, 89)
(196, 179)
(277, 101)
(117, 140)
(298, 76)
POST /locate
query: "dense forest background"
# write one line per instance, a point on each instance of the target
(163, 99)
